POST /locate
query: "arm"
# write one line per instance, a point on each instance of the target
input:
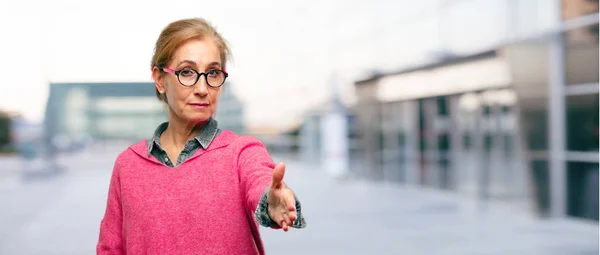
(111, 227)
(256, 173)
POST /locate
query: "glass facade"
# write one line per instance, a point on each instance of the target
(126, 117)
(556, 80)
(528, 136)
(123, 111)
(581, 114)
(582, 122)
(582, 189)
(467, 143)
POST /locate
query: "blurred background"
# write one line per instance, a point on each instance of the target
(408, 127)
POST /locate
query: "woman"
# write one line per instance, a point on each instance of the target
(193, 188)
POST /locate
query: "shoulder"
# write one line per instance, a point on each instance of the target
(236, 141)
(243, 141)
(250, 150)
(130, 154)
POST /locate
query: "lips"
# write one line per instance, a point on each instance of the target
(199, 105)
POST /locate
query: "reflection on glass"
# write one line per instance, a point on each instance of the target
(582, 122)
(443, 142)
(576, 8)
(582, 190)
(581, 55)
(541, 180)
(467, 142)
(442, 106)
(534, 119)
(468, 160)
(509, 145)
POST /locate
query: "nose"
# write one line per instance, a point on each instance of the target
(201, 87)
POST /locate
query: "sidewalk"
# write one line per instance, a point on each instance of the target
(362, 217)
(9, 164)
(61, 216)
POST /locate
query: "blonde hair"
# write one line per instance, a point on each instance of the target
(179, 32)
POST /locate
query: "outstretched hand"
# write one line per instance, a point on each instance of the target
(282, 207)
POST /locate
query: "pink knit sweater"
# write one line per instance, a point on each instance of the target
(203, 206)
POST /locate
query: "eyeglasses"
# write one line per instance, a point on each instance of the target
(189, 77)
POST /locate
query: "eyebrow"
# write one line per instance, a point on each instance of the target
(194, 63)
(186, 62)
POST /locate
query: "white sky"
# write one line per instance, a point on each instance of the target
(284, 51)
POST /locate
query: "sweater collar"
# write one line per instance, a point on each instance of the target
(204, 138)
(222, 139)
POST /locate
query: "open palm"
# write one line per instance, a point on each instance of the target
(282, 208)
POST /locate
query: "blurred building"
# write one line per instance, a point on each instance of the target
(230, 111)
(311, 132)
(418, 126)
(127, 111)
(102, 111)
(5, 131)
(23, 130)
(515, 120)
(27, 138)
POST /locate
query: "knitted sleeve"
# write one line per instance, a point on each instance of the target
(256, 170)
(111, 226)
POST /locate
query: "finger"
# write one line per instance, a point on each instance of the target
(284, 226)
(278, 218)
(290, 202)
(287, 220)
(278, 173)
(292, 216)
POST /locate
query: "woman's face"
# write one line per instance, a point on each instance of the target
(197, 103)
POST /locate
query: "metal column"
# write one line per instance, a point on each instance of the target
(556, 126)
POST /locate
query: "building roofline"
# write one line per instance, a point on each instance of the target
(446, 62)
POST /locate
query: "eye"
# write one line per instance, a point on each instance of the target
(187, 73)
(214, 73)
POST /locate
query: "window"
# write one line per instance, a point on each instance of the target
(582, 190)
(582, 122)
(541, 182)
(467, 141)
(442, 107)
(534, 116)
(444, 143)
(576, 8)
(128, 104)
(581, 55)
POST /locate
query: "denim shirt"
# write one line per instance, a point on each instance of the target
(203, 140)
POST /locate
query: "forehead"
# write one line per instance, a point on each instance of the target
(201, 51)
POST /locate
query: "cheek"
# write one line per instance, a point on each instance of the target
(215, 99)
(173, 105)
(175, 97)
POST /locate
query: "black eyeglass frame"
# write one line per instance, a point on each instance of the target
(198, 75)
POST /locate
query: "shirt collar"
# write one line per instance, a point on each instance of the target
(204, 138)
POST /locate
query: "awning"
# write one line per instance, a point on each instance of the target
(463, 77)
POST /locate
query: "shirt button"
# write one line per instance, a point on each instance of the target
(166, 159)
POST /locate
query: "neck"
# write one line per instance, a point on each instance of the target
(180, 131)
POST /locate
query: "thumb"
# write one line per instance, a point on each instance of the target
(278, 173)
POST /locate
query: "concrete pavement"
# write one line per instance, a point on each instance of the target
(61, 215)
(360, 217)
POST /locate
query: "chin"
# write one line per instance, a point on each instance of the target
(197, 118)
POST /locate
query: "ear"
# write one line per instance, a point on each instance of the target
(157, 77)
